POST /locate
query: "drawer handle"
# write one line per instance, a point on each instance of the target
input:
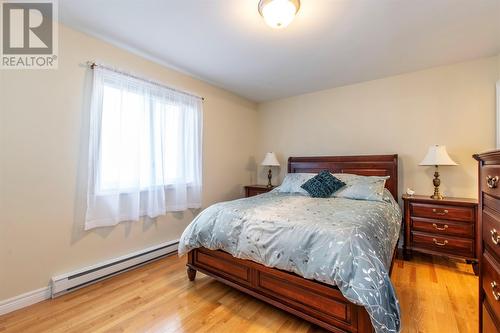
(444, 212)
(440, 244)
(438, 228)
(492, 181)
(495, 237)
(496, 294)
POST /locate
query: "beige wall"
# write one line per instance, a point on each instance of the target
(452, 105)
(42, 161)
(43, 116)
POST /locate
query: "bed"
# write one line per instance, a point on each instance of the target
(315, 298)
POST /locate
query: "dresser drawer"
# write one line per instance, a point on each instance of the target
(490, 180)
(442, 227)
(491, 202)
(491, 230)
(489, 324)
(446, 212)
(444, 244)
(491, 282)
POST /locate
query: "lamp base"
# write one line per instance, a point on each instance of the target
(436, 181)
(437, 197)
(269, 177)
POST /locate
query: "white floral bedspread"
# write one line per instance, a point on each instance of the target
(343, 242)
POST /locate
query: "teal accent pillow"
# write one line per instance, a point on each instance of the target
(323, 185)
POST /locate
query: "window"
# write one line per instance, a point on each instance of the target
(144, 150)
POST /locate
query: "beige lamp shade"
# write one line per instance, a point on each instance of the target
(437, 155)
(270, 160)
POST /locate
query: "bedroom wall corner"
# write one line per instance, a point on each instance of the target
(498, 56)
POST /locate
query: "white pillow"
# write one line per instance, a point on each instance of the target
(361, 187)
(293, 182)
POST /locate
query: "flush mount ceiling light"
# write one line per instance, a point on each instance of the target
(278, 13)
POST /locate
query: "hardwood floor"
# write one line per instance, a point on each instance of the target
(436, 295)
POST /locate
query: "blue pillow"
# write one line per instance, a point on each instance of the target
(323, 185)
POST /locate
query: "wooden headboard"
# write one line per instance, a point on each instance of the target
(365, 165)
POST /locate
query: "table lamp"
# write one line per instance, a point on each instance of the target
(437, 155)
(270, 160)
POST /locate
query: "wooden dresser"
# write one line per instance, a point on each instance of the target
(489, 227)
(445, 227)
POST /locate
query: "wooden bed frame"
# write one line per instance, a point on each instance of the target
(319, 303)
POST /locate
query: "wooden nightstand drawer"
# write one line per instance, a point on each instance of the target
(442, 227)
(445, 244)
(447, 212)
(252, 190)
(445, 227)
(491, 231)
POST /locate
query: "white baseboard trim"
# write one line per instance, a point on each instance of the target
(122, 264)
(24, 300)
(71, 281)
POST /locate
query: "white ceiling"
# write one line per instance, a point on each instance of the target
(331, 42)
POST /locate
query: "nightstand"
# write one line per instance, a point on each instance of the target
(252, 190)
(445, 227)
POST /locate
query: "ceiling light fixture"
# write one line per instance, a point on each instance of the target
(278, 13)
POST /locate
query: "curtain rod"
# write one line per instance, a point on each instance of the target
(93, 65)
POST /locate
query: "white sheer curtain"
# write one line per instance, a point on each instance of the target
(144, 150)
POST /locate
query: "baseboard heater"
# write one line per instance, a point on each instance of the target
(65, 283)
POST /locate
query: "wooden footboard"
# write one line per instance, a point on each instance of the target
(313, 301)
